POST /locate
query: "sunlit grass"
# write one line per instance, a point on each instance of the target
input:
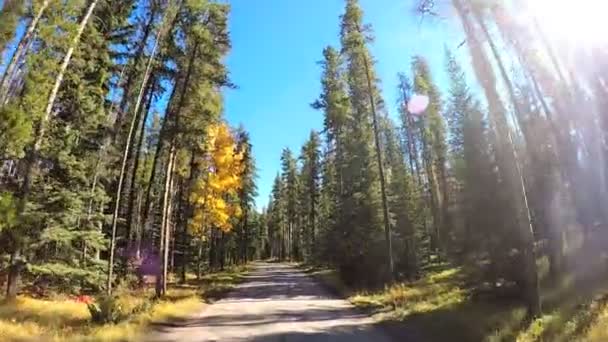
(437, 290)
(63, 319)
(440, 307)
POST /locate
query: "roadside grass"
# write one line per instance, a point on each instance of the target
(440, 307)
(61, 318)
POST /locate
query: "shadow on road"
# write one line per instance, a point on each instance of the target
(276, 302)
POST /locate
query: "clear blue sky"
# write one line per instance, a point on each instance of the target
(276, 44)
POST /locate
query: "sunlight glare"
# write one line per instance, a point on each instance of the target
(576, 22)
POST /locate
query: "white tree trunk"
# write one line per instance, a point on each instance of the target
(32, 157)
(123, 166)
(19, 51)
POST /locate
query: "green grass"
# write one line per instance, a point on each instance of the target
(439, 307)
(63, 319)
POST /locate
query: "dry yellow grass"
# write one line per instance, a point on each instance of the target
(63, 319)
(598, 332)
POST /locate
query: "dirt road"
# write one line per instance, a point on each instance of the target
(276, 302)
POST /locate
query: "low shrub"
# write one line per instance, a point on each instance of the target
(106, 309)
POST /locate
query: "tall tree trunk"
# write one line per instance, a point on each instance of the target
(507, 160)
(313, 226)
(161, 286)
(199, 262)
(503, 71)
(184, 220)
(32, 158)
(166, 219)
(385, 214)
(163, 131)
(222, 250)
(132, 74)
(123, 165)
(136, 157)
(19, 51)
(432, 192)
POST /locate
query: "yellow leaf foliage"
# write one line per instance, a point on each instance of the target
(215, 193)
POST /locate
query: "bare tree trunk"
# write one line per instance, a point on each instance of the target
(19, 51)
(222, 250)
(168, 200)
(32, 157)
(199, 262)
(124, 164)
(164, 228)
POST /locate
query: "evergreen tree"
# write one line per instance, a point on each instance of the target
(289, 196)
(9, 17)
(311, 182)
(434, 153)
(361, 217)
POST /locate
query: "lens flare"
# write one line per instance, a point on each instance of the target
(418, 104)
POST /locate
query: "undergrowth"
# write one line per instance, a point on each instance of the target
(440, 307)
(62, 318)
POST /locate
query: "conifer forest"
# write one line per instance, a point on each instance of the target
(473, 209)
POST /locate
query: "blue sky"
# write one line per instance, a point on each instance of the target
(276, 46)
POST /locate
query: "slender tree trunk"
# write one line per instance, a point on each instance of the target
(19, 51)
(123, 166)
(32, 158)
(136, 156)
(212, 249)
(122, 108)
(167, 228)
(385, 212)
(184, 220)
(222, 250)
(507, 159)
(432, 192)
(199, 261)
(503, 71)
(313, 227)
(164, 228)
(163, 131)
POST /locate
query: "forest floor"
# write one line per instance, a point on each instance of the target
(59, 318)
(440, 307)
(276, 302)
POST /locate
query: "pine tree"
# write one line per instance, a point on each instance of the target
(311, 182)
(361, 205)
(404, 203)
(290, 197)
(32, 156)
(9, 17)
(508, 163)
(432, 132)
(249, 221)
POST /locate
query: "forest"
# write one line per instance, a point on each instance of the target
(500, 178)
(123, 185)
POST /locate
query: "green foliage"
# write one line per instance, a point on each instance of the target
(8, 211)
(9, 17)
(106, 309)
(66, 278)
(15, 132)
